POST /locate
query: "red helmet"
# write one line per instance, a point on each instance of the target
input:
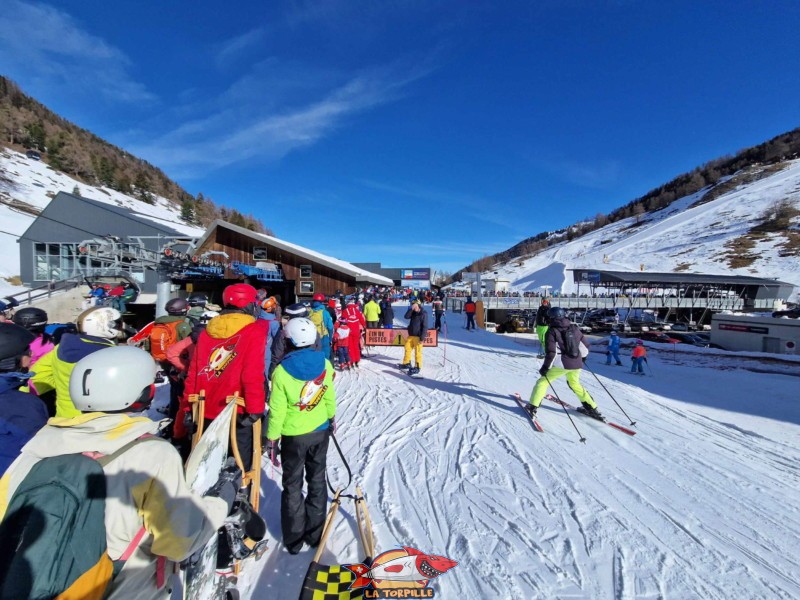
(319, 297)
(239, 295)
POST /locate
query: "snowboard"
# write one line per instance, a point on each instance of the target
(200, 580)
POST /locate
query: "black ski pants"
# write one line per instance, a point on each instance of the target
(244, 441)
(438, 324)
(302, 519)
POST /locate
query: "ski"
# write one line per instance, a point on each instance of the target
(533, 420)
(579, 411)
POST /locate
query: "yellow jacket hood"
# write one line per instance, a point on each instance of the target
(224, 326)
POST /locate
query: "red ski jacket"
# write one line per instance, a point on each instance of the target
(229, 357)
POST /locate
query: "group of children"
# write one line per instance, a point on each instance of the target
(638, 356)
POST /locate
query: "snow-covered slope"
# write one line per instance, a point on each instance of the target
(677, 237)
(33, 183)
(701, 503)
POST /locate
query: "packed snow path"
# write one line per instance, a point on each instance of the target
(702, 503)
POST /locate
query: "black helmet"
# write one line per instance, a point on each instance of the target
(556, 312)
(177, 307)
(14, 342)
(31, 318)
(198, 299)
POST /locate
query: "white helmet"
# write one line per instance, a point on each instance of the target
(112, 380)
(301, 332)
(101, 321)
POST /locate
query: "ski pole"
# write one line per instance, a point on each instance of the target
(649, 368)
(444, 326)
(569, 416)
(633, 423)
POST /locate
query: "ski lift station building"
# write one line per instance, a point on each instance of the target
(76, 238)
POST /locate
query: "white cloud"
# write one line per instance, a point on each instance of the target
(48, 48)
(254, 129)
(598, 174)
(235, 48)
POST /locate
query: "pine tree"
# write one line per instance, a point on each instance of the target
(187, 210)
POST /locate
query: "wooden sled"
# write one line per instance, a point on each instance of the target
(251, 478)
(198, 404)
(321, 578)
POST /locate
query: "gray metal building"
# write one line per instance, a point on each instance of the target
(75, 236)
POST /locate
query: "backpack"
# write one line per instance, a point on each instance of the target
(162, 336)
(572, 345)
(54, 535)
(318, 319)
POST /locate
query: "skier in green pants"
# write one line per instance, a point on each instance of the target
(566, 346)
(541, 324)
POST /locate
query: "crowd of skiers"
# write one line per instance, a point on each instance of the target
(72, 404)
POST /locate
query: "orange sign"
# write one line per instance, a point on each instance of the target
(397, 337)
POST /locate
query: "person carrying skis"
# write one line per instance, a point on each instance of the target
(613, 349)
(566, 347)
(341, 342)
(469, 308)
(387, 312)
(322, 321)
(229, 358)
(417, 330)
(638, 357)
(541, 323)
(147, 518)
(302, 409)
(98, 328)
(372, 313)
(21, 414)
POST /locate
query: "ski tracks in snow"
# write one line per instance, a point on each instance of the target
(692, 507)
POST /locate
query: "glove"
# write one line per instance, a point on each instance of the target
(228, 484)
(248, 419)
(543, 371)
(332, 425)
(273, 449)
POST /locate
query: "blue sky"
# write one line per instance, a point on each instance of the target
(408, 132)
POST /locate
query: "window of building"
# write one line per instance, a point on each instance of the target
(305, 271)
(61, 261)
(306, 287)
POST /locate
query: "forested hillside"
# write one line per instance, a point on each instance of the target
(720, 176)
(26, 124)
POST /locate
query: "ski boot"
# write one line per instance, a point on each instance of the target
(590, 411)
(531, 410)
(403, 366)
(413, 371)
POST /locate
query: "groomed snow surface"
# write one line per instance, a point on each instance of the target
(702, 503)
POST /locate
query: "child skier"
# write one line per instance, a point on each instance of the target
(638, 356)
(613, 349)
(342, 344)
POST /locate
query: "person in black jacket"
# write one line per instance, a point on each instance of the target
(541, 324)
(417, 330)
(387, 313)
(558, 362)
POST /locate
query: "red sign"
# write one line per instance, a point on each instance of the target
(743, 328)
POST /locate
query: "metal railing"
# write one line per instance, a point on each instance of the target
(47, 290)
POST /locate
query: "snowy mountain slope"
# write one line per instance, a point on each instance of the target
(701, 503)
(675, 238)
(33, 183)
